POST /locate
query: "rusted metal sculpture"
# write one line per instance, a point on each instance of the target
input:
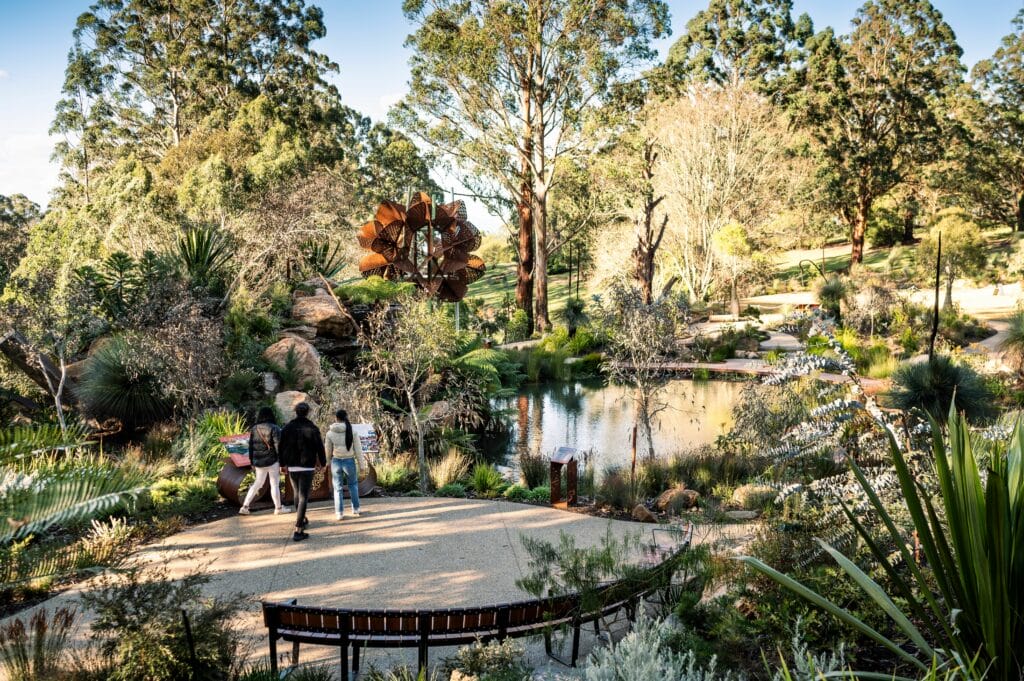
(427, 244)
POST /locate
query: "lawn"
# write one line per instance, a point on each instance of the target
(500, 280)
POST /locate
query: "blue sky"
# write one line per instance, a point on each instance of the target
(365, 37)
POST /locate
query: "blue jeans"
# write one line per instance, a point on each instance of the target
(343, 471)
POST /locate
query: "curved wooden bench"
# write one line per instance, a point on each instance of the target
(423, 629)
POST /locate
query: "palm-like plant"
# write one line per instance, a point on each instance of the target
(203, 254)
(574, 315)
(121, 382)
(1013, 344)
(323, 258)
(54, 486)
(831, 293)
(964, 608)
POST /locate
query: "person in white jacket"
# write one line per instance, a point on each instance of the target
(343, 451)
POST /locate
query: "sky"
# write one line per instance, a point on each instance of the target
(365, 37)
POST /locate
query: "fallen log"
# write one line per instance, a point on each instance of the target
(36, 366)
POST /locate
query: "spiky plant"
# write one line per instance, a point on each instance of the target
(831, 293)
(120, 381)
(574, 315)
(930, 386)
(1013, 344)
(202, 255)
(323, 258)
(963, 606)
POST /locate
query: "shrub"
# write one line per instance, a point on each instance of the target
(121, 380)
(616, 489)
(555, 340)
(35, 652)
(239, 387)
(139, 625)
(486, 480)
(583, 342)
(831, 293)
(533, 470)
(180, 496)
(452, 489)
(495, 661)
(398, 474)
(540, 494)
(517, 493)
(106, 543)
(373, 290)
(653, 477)
(518, 327)
(930, 386)
(452, 467)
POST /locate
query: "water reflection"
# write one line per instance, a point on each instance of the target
(593, 416)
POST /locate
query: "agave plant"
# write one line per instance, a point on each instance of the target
(964, 606)
(203, 254)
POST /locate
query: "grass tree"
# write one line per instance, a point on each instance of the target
(407, 349)
(1013, 344)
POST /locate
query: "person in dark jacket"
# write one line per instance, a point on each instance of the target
(302, 453)
(264, 441)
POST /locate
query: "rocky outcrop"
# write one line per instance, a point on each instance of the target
(307, 359)
(286, 401)
(322, 313)
(677, 499)
(753, 497)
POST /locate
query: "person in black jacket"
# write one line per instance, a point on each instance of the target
(302, 453)
(264, 440)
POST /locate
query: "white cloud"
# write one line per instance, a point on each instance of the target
(4, 74)
(25, 166)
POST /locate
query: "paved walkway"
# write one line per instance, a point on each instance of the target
(402, 553)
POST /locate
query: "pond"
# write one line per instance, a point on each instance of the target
(596, 417)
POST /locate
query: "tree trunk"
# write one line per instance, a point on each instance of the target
(735, 299)
(524, 271)
(421, 449)
(948, 302)
(860, 227)
(540, 272)
(1019, 215)
(643, 259)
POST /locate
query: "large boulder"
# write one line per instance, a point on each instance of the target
(753, 497)
(286, 401)
(323, 313)
(307, 359)
(676, 499)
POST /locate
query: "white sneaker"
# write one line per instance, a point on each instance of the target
(355, 514)
(339, 516)
(284, 509)
(243, 511)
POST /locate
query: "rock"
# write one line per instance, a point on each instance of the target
(753, 497)
(307, 333)
(642, 515)
(270, 382)
(286, 401)
(676, 499)
(322, 313)
(306, 357)
(462, 676)
(741, 515)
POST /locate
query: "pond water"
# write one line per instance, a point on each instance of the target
(596, 417)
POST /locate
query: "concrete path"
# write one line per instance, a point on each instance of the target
(782, 341)
(402, 553)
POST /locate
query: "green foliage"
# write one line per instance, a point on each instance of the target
(486, 481)
(125, 289)
(452, 489)
(516, 493)
(539, 495)
(963, 248)
(17, 214)
(518, 327)
(373, 290)
(180, 497)
(574, 315)
(35, 651)
(494, 368)
(1013, 343)
(122, 380)
(240, 387)
(323, 259)
(203, 255)
(198, 448)
(139, 625)
(963, 610)
(831, 293)
(397, 475)
(930, 386)
(290, 373)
